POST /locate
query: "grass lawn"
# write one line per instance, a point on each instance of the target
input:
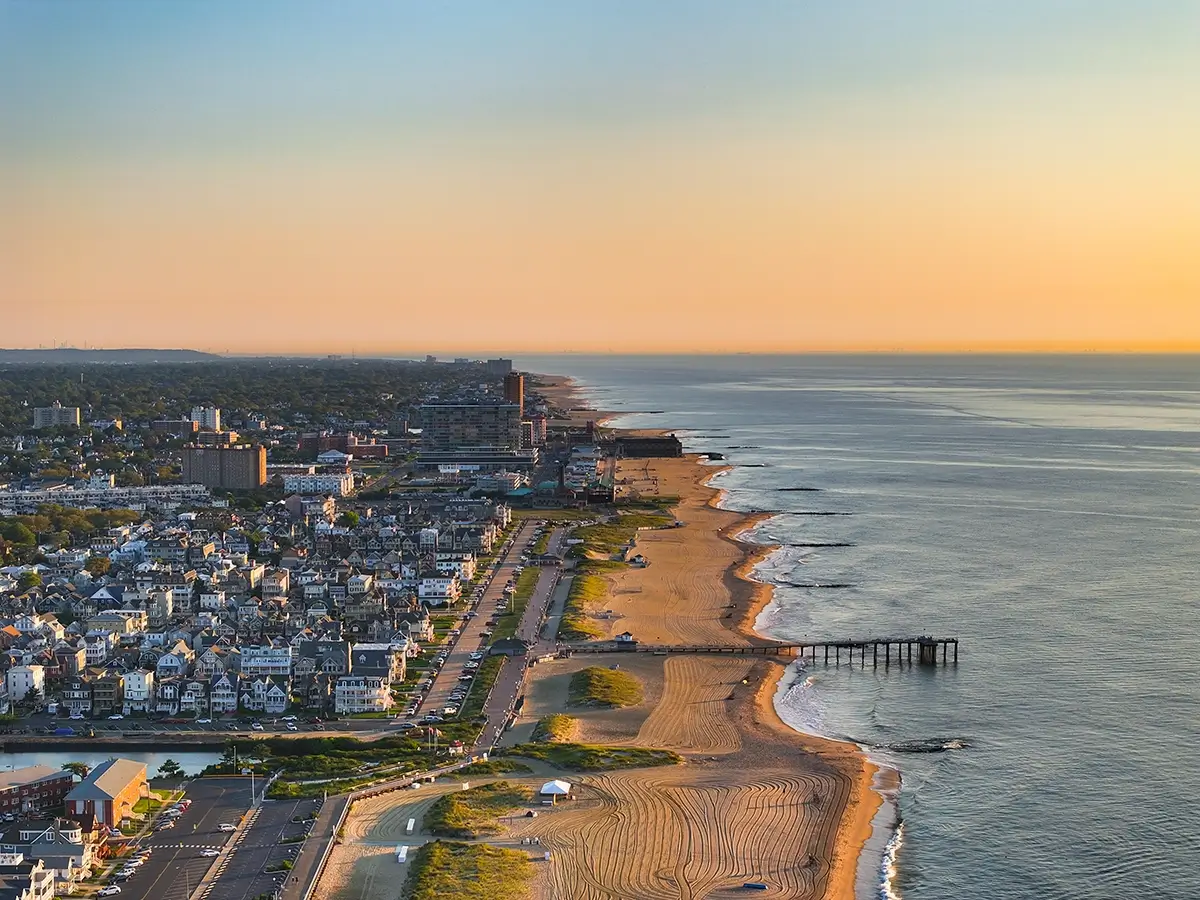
(575, 624)
(442, 869)
(485, 677)
(598, 686)
(522, 593)
(475, 812)
(494, 767)
(595, 758)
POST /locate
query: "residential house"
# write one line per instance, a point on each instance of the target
(139, 691)
(439, 590)
(384, 660)
(59, 844)
(25, 879)
(108, 694)
(223, 694)
(77, 695)
(275, 584)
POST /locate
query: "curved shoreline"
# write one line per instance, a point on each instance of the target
(748, 597)
(867, 804)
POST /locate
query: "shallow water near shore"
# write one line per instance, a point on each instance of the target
(1041, 509)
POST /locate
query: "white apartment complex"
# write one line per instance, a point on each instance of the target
(337, 483)
(362, 693)
(55, 415)
(266, 661)
(207, 418)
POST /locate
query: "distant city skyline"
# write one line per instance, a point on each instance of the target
(583, 177)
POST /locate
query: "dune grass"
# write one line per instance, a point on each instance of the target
(576, 624)
(556, 728)
(598, 686)
(593, 757)
(475, 812)
(443, 869)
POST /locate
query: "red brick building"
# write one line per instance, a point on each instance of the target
(33, 789)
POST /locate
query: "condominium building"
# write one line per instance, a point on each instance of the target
(207, 417)
(362, 693)
(514, 389)
(337, 483)
(239, 468)
(55, 415)
(109, 792)
(449, 426)
(266, 660)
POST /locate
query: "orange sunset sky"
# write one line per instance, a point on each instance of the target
(620, 176)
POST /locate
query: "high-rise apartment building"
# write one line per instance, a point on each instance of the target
(207, 418)
(239, 468)
(55, 415)
(448, 426)
(498, 366)
(514, 389)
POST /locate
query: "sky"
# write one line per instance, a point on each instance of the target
(392, 177)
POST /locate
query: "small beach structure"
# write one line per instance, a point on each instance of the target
(556, 789)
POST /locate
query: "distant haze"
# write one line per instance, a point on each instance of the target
(664, 176)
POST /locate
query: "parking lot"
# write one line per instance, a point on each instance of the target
(176, 864)
(268, 840)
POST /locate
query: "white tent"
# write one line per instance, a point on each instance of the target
(556, 788)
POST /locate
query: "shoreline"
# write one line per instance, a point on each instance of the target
(869, 819)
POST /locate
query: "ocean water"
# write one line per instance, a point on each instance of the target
(1043, 510)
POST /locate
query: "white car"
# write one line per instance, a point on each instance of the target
(110, 891)
(115, 716)
(210, 852)
(225, 826)
(77, 716)
(257, 726)
(204, 721)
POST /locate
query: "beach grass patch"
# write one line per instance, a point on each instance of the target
(586, 589)
(594, 757)
(556, 728)
(442, 869)
(475, 812)
(494, 766)
(598, 686)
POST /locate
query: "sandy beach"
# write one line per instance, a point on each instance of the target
(754, 800)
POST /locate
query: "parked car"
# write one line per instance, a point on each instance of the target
(257, 726)
(204, 721)
(291, 726)
(109, 891)
(116, 716)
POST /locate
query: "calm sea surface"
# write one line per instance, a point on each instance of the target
(1041, 509)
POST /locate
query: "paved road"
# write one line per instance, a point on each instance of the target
(510, 682)
(173, 870)
(471, 639)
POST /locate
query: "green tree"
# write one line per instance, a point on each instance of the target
(349, 519)
(29, 580)
(170, 770)
(79, 768)
(97, 566)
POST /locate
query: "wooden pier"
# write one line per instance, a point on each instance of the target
(884, 651)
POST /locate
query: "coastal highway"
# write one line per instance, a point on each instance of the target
(511, 679)
(471, 639)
